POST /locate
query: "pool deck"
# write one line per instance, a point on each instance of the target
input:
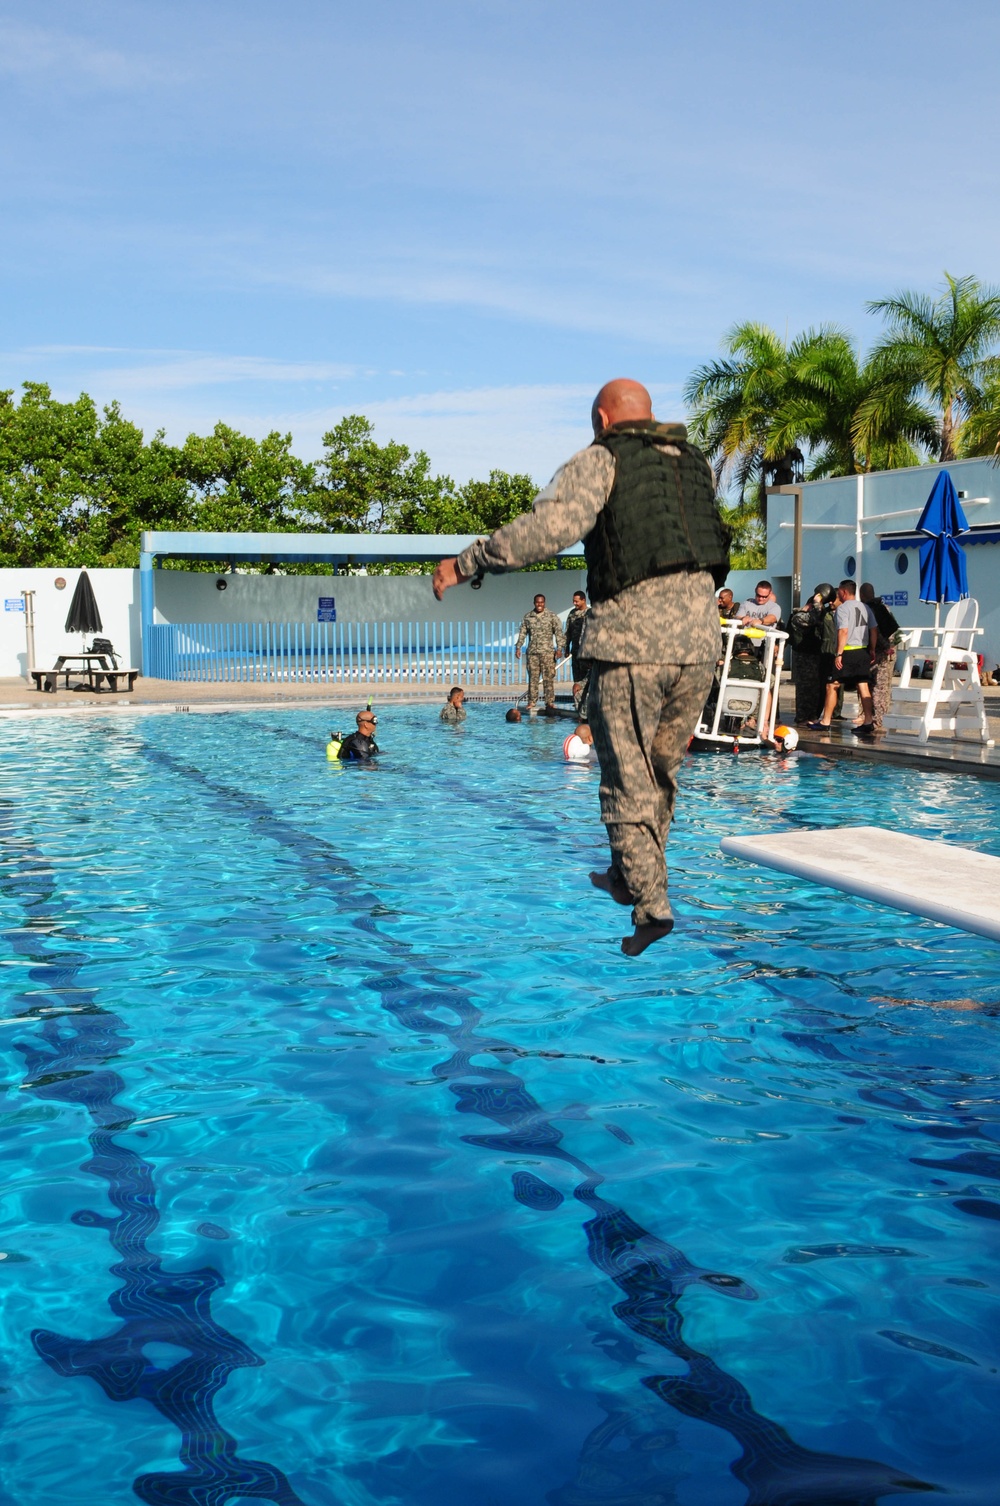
(941, 754)
(20, 701)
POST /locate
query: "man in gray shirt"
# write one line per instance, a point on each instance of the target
(761, 609)
(857, 637)
(643, 501)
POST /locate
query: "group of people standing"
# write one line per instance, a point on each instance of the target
(548, 641)
(843, 639)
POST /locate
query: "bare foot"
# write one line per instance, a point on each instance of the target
(612, 883)
(644, 936)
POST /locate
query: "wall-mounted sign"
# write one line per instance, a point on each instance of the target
(13, 604)
(60, 582)
(901, 598)
(326, 610)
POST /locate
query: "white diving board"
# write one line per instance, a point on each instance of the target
(953, 885)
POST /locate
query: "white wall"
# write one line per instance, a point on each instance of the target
(192, 597)
(117, 593)
(183, 596)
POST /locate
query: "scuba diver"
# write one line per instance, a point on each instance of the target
(361, 745)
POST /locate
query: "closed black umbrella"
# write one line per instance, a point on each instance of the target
(83, 616)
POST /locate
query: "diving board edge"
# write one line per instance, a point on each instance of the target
(982, 920)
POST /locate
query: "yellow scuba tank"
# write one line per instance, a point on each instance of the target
(333, 746)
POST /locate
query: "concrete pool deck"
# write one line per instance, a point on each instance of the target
(20, 701)
(941, 754)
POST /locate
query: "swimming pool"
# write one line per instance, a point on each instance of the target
(347, 1160)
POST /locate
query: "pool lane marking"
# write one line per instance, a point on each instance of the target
(154, 1305)
(652, 1273)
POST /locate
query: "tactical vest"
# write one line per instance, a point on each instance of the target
(661, 516)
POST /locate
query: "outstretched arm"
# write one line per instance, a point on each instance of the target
(564, 512)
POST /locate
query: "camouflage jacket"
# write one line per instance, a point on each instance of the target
(574, 630)
(450, 713)
(543, 631)
(668, 619)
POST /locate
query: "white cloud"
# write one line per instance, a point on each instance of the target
(194, 370)
(33, 51)
(469, 432)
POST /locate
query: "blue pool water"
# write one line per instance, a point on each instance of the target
(346, 1160)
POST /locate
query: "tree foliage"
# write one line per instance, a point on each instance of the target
(363, 486)
(78, 485)
(769, 411)
(941, 348)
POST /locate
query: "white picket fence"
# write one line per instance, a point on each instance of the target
(430, 653)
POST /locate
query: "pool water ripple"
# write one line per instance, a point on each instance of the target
(477, 1193)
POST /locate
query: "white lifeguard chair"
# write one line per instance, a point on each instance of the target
(734, 701)
(952, 701)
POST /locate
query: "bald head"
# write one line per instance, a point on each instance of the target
(619, 402)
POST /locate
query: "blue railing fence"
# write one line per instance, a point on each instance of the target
(414, 653)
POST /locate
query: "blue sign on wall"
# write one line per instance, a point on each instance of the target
(13, 604)
(901, 599)
(326, 611)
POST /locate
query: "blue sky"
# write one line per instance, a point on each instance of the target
(461, 218)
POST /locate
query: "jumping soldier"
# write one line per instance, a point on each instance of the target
(643, 501)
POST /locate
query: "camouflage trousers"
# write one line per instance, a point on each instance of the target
(810, 686)
(541, 669)
(882, 687)
(642, 717)
(581, 678)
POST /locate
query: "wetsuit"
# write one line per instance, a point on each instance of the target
(358, 747)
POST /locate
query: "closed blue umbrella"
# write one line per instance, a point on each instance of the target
(943, 573)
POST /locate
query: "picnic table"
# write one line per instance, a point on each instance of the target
(93, 668)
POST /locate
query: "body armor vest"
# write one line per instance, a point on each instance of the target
(661, 516)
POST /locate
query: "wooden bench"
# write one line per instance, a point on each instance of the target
(87, 668)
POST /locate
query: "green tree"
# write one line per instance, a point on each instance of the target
(244, 484)
(940, 348)
(838, 406)
(364, 486)
(76, 487)
(476, 507)
(133, 485)
(734, 404)
(981, 430)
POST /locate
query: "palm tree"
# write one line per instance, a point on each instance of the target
(734, 403)
(753, 411)
(827, 397)
(981, 430)
(939, 348)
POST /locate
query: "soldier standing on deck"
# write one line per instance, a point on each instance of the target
(581, 668)
(540, 627)
(643, 501)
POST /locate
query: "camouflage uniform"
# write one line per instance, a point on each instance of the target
(808, 668)
(542, 630)
(450, 713)
(575, 623)
(653, 650)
